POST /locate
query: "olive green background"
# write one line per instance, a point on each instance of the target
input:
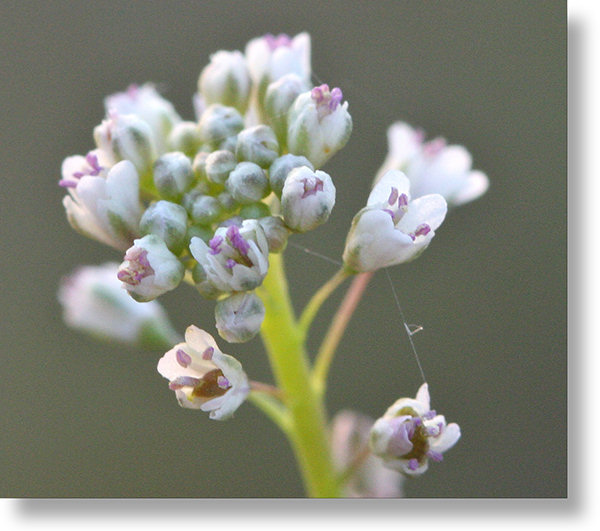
(82, 419)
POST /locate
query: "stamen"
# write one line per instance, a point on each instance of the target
(183, 358)
(237, 240)
(413, 464)
(139, 267)
(183, 381)
(430, 414)
(215, 245)
(435, 456)
(230, 263)
(223, 382)
(422, 230)
(402, 201)
(312, 186)
(275, 42)
(393, 196)
(208, 353)
(434, 147)
(67, 184)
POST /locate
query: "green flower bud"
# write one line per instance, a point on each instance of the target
(255, 211)
(199, 165)
(205, 209)
(173, 175)
(278, 99)
(276, 232)
(248, 183)
(239, 317)
(218, 122)
(168, 221)
(257, 144)
(185, 137)
(218, 166)
(227, 202)
(203, 232)
(281, 167)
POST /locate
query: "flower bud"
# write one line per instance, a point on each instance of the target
(276, 232)
(148, 105)
(319, 124)
(202, 283)
(410, 433)
(185, 137)
(168, 221)
(254, 211)
(218, 122)
(218, 165)
(239, 317)
(226, 80)
(94, 301)
(127, 137)
(307, 199)
(204, 209)
(257, 144)
(278, 99)
(281, 167)
(199, 166)
(236, 258)
(173, 175)
(150, 269)
(248, 183)
(102, 205)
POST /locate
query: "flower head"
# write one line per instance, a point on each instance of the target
(392, 229)
(102, 204)
(433, 166)
(203, 377)
(410, 433)
(236, 258)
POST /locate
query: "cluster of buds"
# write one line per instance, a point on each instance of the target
(206, 201)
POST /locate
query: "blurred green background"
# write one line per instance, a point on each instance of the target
(90, 420)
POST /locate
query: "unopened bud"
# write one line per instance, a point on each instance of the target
(257, 144)
(150, 269)
(173, 175)
(307, 199)
(276, 232)
(204, 209)
(248, 183)
(168, 221)
(218, 123)
(226, 80)
(239, 317)
(218, 166)
(254, 211)
(319, 124)
(279, 97)
(185, 137)
(281, 167)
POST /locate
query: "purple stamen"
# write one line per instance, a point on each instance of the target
(435, 456)
(422, 230)
(275, 42)
(223, 382)
(237, 240)
(183, 358)
(430, 414)
(133, 91)
(312, 186)
(402, 201)
(413, 464)
(139, 267)
(208, 353)
(434, 147)
(393, 196)
(183, 381)
(215, 245)
(319, 93)
(336, 98)
(230, 263)
(67, 184)
(391, 213)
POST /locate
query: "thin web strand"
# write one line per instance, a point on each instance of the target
(409, 333)
(314, 253)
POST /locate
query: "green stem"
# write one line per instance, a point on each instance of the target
(337, 329)
(319, 298)
(285, 348)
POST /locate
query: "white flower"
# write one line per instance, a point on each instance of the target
(94, 301)
(434, 166)
(349, 440)
(236, 258)
(147, 104)
(392, 229)
(103, 205)
(150, 269)
(226, 80)
(203, 377)
(410, 433)
(307, 199)
(275, 56)
(319, 124)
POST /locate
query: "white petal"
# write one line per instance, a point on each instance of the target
(430, 209)
(423, 396)
(475, 185)
(382, 190)
(199, 340)
(447, 439)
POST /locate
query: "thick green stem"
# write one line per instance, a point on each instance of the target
(285, 346)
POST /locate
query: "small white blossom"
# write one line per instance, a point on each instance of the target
(433, 167)
(226, 80)
(392, 229)
(150, 269)
(319, 124)
(203, 377)
(272, 57)
(349, 442)
(103, 205)
(148, 105)
(410, 433)
(239, 316)
(235, 259)
(94, 301)
(307, 199)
